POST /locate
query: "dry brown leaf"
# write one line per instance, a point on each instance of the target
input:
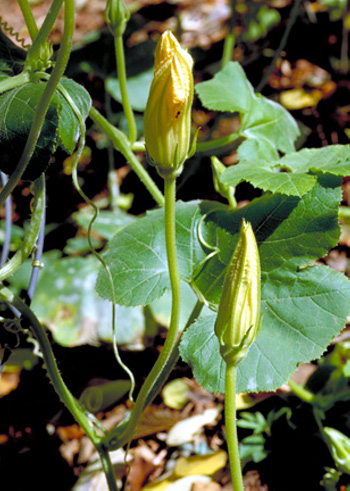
(69, 450)
(9, 382)
(73, 432)
(209, 486)
(155, 420)
(252, 482)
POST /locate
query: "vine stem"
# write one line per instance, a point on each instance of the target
(212, 146)
(46, 28)
(118, 436)
(8, 224)
(6, 296)
(292, 18)
(13, 82)
(301, 392)
(231, 428)
(121, 72)
(171, 342)
(107, 467)
(38, 252)
(31, 236)
(121, 143)
(39, 117)
(230, 38)
(28, 18)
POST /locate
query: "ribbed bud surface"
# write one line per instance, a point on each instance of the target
(167, 120)
(237, 322)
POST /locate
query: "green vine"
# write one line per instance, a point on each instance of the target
(34, 226)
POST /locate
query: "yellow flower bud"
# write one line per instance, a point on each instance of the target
(167, 120)
(237, 322)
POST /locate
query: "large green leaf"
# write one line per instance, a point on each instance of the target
(60, 128)
(138, 88)
(137, 256)
(303, 306)
(294, 174)
(306, 305)
(107, 222)
(66, 301)
(17, 108)
(287, 229)
(68, 129)
(261, 119)
(302, 311)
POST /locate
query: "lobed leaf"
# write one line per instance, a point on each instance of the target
(261, 119)
(137, 256)
(66, 301)
(293, 174)
(302, 311)
(60, 128)
(304, 307)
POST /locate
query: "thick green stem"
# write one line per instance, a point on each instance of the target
(166, 357)
(301, 392)
(28, 18)
(213, 146)
(6, 296)
(120, 435)
(120, 58)
(45, 100)
(230, 38)
(228, 49)
(344, 50)
(108, 469)
(231, 428)
(13, 82)
(47, 26)
(31, 235)
(121, 143)
(113, 185)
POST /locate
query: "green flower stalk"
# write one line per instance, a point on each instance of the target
(225, 190)
(237, 322)
(237, 326)
(167, 120)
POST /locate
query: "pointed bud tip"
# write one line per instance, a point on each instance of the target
(237, 322)
(167, 120)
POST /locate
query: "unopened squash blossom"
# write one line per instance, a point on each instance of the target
(237, 322)
(167, 120)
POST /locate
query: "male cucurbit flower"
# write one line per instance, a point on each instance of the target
(237, 322)
(167, 120)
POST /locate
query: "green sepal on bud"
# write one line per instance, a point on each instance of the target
(225, 190)
(39, 58)
(237, 323)
(117, 16)
(339, 445)
(167, 120)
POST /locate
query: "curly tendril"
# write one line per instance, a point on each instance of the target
(10, 30)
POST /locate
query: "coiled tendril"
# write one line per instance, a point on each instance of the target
(4, 25)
